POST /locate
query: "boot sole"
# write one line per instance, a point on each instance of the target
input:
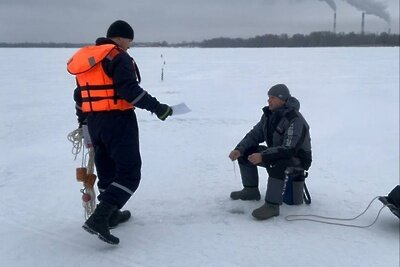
(115, 226)
(252, 199)
(101, 237)
(263, 218)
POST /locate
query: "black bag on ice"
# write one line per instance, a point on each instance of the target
(392, 201)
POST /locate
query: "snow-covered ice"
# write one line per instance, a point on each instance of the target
(182, 214)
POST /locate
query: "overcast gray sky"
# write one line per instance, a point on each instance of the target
(188, 20)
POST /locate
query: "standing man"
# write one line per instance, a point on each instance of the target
(287, 135)
(106, 95)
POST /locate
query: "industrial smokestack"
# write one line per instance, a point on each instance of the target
(334, 22)
(373, 7)
(362, 22)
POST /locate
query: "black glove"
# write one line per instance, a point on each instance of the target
(82, 122)
(163, 111)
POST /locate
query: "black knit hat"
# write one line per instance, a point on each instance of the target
(120, 28)
(280, 91)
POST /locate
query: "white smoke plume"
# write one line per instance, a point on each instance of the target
(331, 3)
(372, 7)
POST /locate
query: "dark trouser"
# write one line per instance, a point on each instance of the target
(115, 138)
(276, 172)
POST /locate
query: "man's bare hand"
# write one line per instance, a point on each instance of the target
(234, 155)
(255, 158)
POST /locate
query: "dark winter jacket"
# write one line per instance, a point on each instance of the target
(126, 77)
(286, 133)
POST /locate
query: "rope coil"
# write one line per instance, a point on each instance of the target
(76, 138)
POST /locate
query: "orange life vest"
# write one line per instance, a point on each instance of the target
(97, 88)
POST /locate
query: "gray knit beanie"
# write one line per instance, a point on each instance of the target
(280, 91)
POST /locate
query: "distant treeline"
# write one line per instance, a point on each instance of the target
(71, 45)
(41, 45)
(314, 39)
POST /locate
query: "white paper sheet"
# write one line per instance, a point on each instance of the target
(180, 109)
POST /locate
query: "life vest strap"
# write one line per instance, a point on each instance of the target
(98, 98)
(96, 87)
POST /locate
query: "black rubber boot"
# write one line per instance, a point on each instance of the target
(247, 193)
(97, 223)
(118, 217)
(266, 211)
